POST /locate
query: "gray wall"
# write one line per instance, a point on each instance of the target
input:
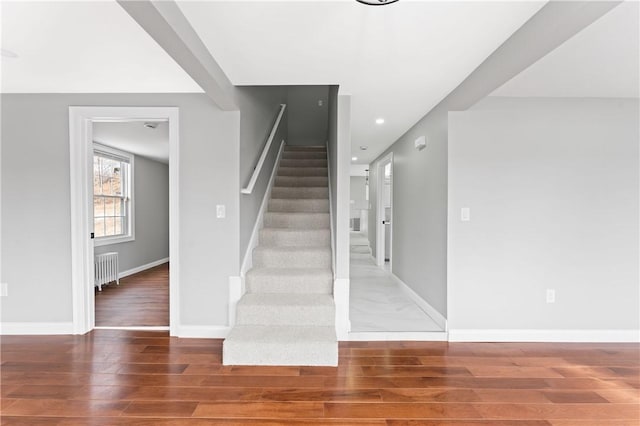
(36, 247)
(358, 195)
(419, 209)
(552, 185)
(151, 216)
(308, 122)
(259, 108)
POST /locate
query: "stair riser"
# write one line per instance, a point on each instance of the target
(302, 171)
(288, 284)
(302, 238)
(304, 155)
(298, 206)
(271, 258)
(296, 221)
(285, 315)
(304, 181)
(251, 353)
(299, 192)
(302, 163)
(305, 148)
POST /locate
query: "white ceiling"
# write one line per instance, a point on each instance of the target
(133, 137)
(397, 61)
(88, 46)
(600, 61)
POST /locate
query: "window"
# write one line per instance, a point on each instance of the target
(112, 195)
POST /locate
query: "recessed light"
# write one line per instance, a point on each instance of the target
(363, 147)
(379, 120)
(354, 158)
(150, 125)
(8, 54)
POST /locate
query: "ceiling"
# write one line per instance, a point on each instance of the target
(88, 46)
(600, 61)
(133, 137)
(397, 61)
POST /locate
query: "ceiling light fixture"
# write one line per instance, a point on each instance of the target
(379, 120)
(354, 158)
(376, 2)
(363, 147)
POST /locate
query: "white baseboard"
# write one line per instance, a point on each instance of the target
(378, 336)
(423, 304)
(203, 331)
(36, 328)
(529, 335)
(143, 267)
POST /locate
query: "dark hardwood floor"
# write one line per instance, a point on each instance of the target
(141, 299)
(113, 377)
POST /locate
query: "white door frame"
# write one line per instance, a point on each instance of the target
(380, 232)
(81, 184)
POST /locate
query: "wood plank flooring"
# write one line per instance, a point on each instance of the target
(141, 299)
(113, 377)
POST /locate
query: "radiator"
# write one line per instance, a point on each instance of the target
(106, 269)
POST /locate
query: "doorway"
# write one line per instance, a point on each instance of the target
(384, 215)
(81, 122)
(131, 223)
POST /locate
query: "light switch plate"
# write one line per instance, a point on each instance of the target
(4, 289)
(220, 211)
(551, 295)
(465, 214)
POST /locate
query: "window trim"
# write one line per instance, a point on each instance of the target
(130, 222)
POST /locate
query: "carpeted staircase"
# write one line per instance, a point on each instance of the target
(287, 316)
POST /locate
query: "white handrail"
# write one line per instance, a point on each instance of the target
(256, 172)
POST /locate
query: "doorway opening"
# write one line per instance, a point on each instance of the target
(384, 214)
(131, 223)
(106, 198)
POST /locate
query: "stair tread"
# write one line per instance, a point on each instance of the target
(299, 213)
(286, 300)
(293, 272)
(293, 230)
(288, 334)
(293, 249)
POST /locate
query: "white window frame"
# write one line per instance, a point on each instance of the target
(129, 188)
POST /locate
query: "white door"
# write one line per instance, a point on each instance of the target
(384, 230)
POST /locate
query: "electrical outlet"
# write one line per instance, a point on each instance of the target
(551, 295)
(4, 289)
(220, 211)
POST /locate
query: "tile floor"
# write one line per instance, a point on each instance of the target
(378, 303)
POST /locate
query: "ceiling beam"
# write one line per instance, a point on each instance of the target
(167, 25)
(555, 23)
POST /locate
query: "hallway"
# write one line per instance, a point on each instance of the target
(377, 302)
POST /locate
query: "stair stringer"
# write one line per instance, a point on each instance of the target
(237, 287)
